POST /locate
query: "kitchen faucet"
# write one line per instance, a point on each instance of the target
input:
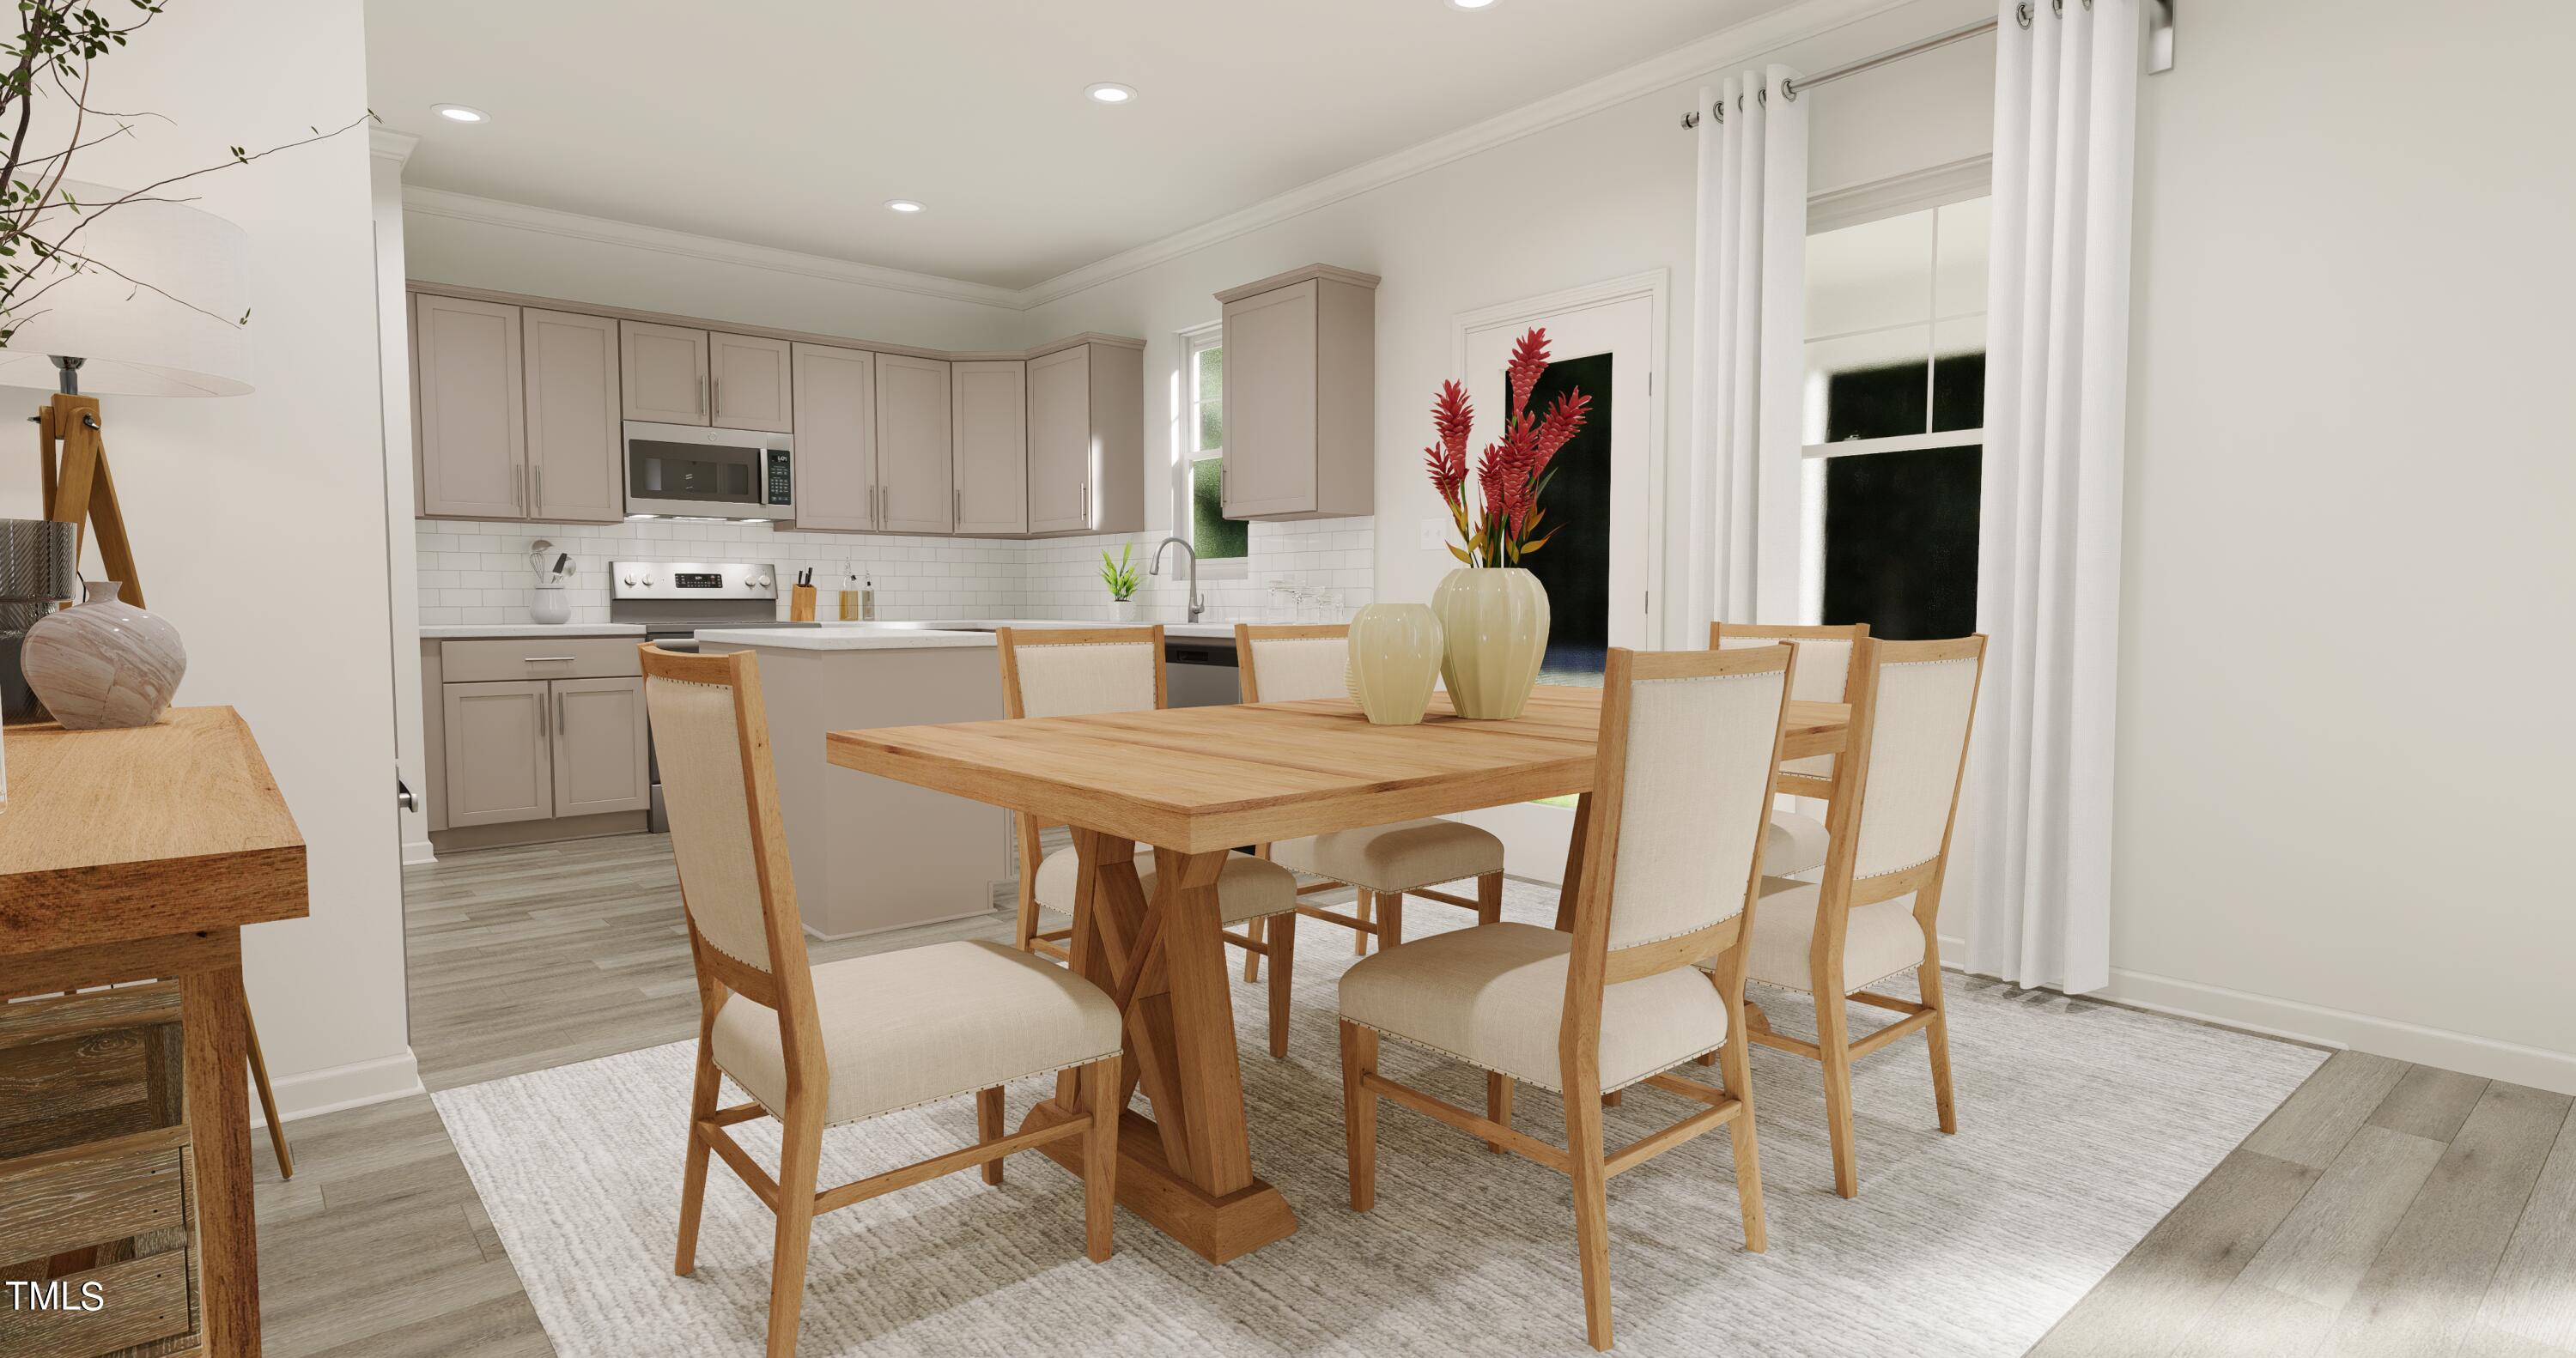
(1154, 566)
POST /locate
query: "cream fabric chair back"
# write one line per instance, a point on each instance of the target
(1693, 798)
(706, 779)
(1080, 674)
(1289, 669)
(1922, 697)
(1824, 668)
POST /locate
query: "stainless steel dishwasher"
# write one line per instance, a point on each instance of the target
(1200, 672)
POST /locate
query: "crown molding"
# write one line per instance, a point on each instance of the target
(601, 230)
(1682, 65)
(390, 145)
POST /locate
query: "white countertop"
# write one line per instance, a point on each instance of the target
(452, 631)
(856, 636)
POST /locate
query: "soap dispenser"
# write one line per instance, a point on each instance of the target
(868, 598)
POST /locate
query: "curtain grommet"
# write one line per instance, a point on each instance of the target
(1690, 120)
(2023, 13)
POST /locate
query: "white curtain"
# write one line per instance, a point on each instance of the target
(1748, 345)
(2057, 358)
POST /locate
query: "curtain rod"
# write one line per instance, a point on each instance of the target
(1790, 88)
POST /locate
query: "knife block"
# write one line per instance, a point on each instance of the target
(800, 603)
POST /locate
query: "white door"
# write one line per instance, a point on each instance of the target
(1610, 329)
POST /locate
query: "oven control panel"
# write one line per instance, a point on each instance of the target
(691, 580)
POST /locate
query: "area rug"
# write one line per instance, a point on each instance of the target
(2080, 1125)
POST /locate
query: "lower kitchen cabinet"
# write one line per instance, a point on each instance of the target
(560, 750)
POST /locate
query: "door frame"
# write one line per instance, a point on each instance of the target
(1534, 834)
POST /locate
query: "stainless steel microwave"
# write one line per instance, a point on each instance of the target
(694, 472)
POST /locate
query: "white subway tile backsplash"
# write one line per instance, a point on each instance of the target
(1320, 571)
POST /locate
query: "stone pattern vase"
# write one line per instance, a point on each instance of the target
(104, 663)
(1496, 620)
(1396, 652)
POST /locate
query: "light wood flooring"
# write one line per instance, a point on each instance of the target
(2385, 1209)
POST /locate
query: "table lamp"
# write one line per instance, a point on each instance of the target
(155, 306)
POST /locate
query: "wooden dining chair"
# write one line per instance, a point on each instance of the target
(820, 1046)
(1663, 875)
(1385, 863)
(1797, 841)
(1873, 915)
(1089, 671)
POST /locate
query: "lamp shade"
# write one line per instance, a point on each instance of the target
(170, 326)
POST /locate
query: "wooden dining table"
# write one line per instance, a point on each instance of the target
(1185, 786)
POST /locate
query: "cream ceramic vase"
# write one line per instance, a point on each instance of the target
(1495, 618)
(1396, 651)
(104, 663)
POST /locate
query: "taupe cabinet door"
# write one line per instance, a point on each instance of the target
(836, 438)
(991, 445)
(666, 372)
(471, 422)
(1270, 403)
(599, 747)
(916, 493)
(574, 441)
(1060, 441)
(499, 752)
(748, 383)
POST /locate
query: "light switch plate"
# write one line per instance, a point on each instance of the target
(1432, 531)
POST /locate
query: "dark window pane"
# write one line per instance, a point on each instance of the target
(1214, 535)
(1959, 378)
(1871, 403)
(1901, 542)
(1575, 564)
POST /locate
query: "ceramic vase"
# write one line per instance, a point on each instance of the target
(1122, 610)
(104, 663)
(1495, 618)
(1396, 651)
(550, 606)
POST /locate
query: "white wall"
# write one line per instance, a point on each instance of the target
(2346, 636)
(259, 521)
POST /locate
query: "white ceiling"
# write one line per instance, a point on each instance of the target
(790, 123)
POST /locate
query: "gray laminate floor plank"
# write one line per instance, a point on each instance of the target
(2312, 1126)
(2534, 1292)
(2421, 1295)
(2327, 1242)
(2429, 1102)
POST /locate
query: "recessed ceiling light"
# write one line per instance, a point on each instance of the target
(1471, 4)
(1111, 92)
(460, 113)
(902, 205)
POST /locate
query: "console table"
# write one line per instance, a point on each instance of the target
(138, 855)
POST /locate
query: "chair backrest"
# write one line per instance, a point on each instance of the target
(1690, 739)
(1286, 664)
(1080, 671)
(711, 740)
(1912, 706)
(1827, 656)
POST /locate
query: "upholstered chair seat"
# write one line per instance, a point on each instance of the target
(1792, 843)
(1883, 938)
(1405, 856)
(1246, 888)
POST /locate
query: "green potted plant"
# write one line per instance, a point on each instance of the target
(1121, 577)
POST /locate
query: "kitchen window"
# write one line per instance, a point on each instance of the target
(1217, 538)
(1894, 422)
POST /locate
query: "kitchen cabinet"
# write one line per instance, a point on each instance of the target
(989, 445)
(1086, 424)
(599, 746)
(836, 437)
(469, 426)
(748, 383)
(499, 745)
(575, 444)
(665, 368)
(1301, 395)
(915, 492)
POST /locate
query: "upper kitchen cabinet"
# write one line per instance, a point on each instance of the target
(572, 410)
(1301, 395)
(469, 428)
(989, 445)
(666, 372)
(1087, 438)
(748, 384)
(915, 492)
(836, 437)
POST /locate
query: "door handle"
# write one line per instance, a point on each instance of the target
(404, 797)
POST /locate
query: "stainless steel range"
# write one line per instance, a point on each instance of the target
(673, 599)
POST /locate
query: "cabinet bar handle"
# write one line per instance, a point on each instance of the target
(555, 701)
(1086, 504)
(702, 395)
(537, 498)
(956, 507)
(543, 659)
(715, 392)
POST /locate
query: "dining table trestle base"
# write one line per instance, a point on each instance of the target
(1219, 1228)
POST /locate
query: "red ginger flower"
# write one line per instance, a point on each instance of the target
(1529, 362)
(1564, 420)
(1447, 460)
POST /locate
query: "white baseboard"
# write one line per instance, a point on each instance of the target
(416, 852)
(2486, 1056)
(337, 1087)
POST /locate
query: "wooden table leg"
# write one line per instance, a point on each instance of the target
(1573, 886)
(211, 1018)
(1188, 1169)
